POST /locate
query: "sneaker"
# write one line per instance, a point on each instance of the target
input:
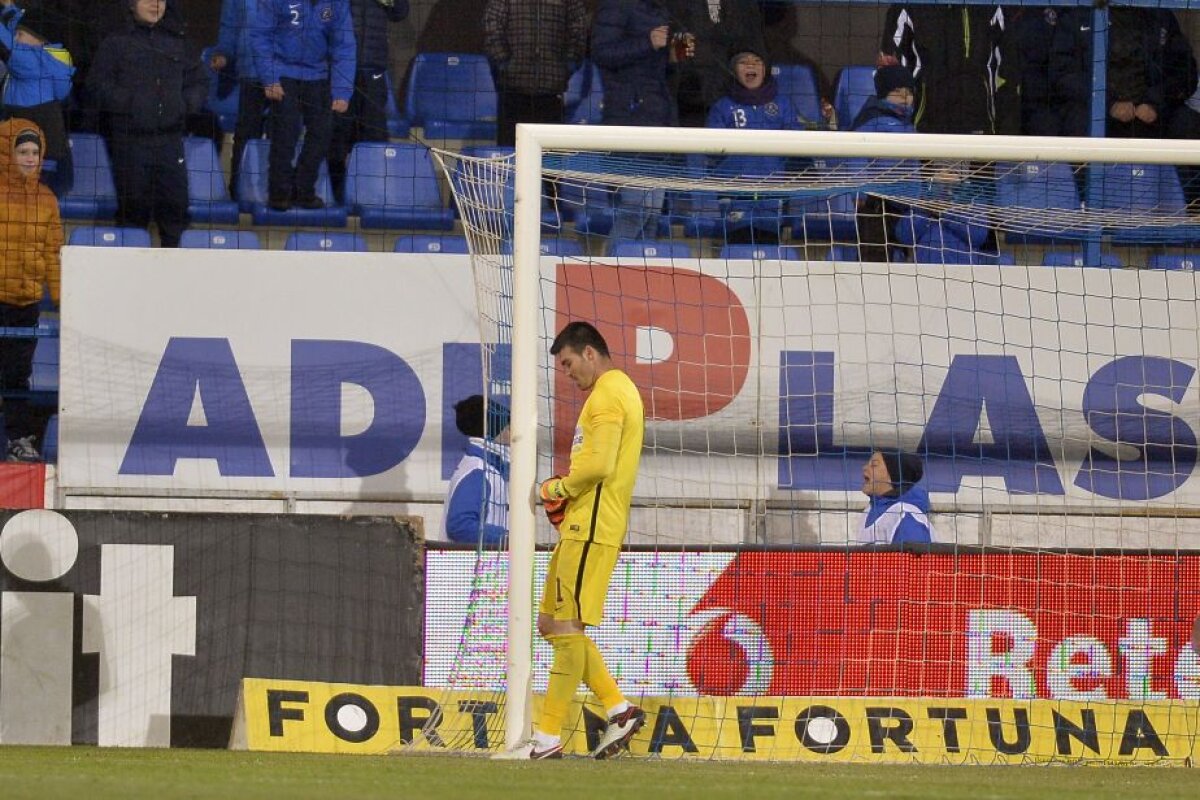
(621, 729)
(528, 751)
(23, 450)
(311, 202)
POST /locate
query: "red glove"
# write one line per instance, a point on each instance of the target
(554, 500)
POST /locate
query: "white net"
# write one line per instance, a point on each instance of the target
(784, 328)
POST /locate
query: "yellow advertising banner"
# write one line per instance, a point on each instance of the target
(299, 716)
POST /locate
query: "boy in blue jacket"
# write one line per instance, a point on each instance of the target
(476, 508)
(304, 52)
(898, 511)
(38, 81)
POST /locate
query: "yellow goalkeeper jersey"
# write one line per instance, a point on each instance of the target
(605, 453)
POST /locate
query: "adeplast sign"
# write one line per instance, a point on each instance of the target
(857, 622)
(260, 373)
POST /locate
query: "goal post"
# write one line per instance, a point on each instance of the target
(739, 475)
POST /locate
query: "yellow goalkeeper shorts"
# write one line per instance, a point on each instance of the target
(577, 581)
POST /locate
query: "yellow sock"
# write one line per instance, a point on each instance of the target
(570, 661)
(599, 679)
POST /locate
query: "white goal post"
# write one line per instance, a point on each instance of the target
(533, 141)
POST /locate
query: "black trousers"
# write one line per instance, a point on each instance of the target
(251, 124)
(305, 104)
(364, 121)
(21, 418)
(513, 107)
(151, 182)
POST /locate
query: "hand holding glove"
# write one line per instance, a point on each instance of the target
(554, 500)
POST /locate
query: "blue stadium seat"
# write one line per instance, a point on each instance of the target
(252, 194)
(855, 85)
(649, 248)
(842, 252)
(551, 220)
(208, 194)
(1145, 188)
(562, 247)
(212, 239)
(800, 85)
(225, 108)
(425, 243)
(397, 125)
(583, 101)
(761, 252)
(50, 440)
(44, 377)
(329, 241)
(108, 236)
(451, 96)
(94, 195)
(1037, 186)
(832, 218)
(1187, 262)
(1074, 258)
(395, 186)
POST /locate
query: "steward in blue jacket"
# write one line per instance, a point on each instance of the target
(898, 509)
(476, 507)
(37, 84)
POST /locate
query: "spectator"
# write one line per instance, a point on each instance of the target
(37, 85)
(148, 79)
(718, 27)
(365, 119)
(889, 111)
(961, 61)
(533, 46)
(234, 57)
(33, 236)
(753, 102)
(1045, 111)
(476, 508)
(629, 45)
(898, 509)
(305, 56)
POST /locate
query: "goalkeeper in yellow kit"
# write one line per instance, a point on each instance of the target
(590, 508)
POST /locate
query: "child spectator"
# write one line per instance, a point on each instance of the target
(305, 56)
(37, 84)
(234, 52)
(29, 263)
(898, 509)
(889, 111)
(147, 79)
(476, 508)
(754, 102)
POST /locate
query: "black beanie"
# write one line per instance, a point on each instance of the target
(469, 417)
(28, 135)
(904, 469)
(893, 77)
(745, 48)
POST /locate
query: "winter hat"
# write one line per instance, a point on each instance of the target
(28, 135)
(469, 416)
(893, 77)
(904, 469)
(741, 50)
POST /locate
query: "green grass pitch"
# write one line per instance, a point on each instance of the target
(85, 773)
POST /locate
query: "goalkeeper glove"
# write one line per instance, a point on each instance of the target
(554, 500)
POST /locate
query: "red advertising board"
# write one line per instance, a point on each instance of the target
(862, 622)
(22, 485)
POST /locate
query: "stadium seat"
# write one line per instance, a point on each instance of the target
(395, 186)
(1037, 186)
(649, 248)
(1180, 261)
(1145, 188)
(451, 96)
(424, 243)
(1074, 258)
(800, 85)
(832, 218)
(329, 241)
(583, 101)
(855, 85)
(93, 195)
(108, 236)
(208, 195)
(252, 193)
(50, 440)
(44, 377)
(225, 108)
(842, 252)
(398, 127)
(761, 252)
(562, 247)
(211, 239)
(552, 220)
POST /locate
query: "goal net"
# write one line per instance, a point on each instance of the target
(1035, 349)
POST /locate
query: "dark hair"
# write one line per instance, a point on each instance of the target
(578, 335)
(469, 417)
(904, 469)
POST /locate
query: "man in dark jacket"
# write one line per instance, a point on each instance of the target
(147, 79)
(365, 119)
(532, 46)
